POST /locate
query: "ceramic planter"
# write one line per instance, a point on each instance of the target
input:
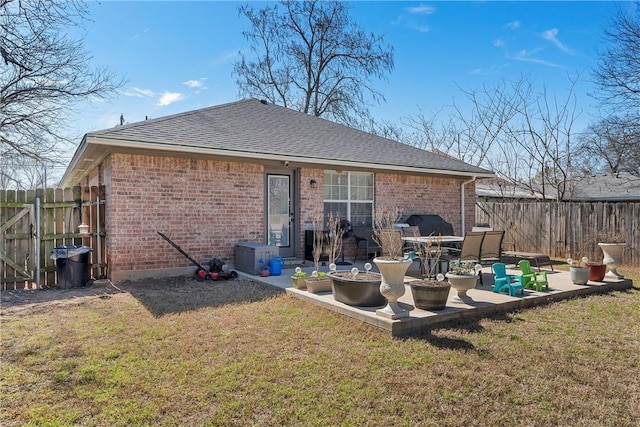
(299, 282)
(612, 258)
(579, 275)
(363, 290)
(462, 283)
(392, 286)
(316, 286)
(430, 294)
(596, 272)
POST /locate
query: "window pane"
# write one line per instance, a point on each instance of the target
(361, 214)
(335, 208)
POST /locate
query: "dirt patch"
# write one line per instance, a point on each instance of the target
(159, 296)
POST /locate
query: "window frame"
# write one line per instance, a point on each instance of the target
(352, 187)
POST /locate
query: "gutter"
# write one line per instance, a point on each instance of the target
(462, 210)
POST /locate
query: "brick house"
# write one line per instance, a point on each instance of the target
(249, 171)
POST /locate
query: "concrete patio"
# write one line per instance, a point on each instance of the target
(481, 301)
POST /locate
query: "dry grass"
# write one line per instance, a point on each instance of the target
(238, 353)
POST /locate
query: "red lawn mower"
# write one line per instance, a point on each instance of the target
(216, 267)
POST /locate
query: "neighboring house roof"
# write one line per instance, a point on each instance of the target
(618, 187)
(253, 129)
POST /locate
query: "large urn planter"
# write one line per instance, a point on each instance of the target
(430, 294)
(612, 258)
(361, 289)
(462, 283)
(579, 275)
(392, 286)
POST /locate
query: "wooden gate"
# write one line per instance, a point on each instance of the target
(34, 222)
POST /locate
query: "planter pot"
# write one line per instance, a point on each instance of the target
(430, 294)
(612, 258)
(299, 282)
(579, 275)
(315, 286)
(596, 272)
(363, 290)
(462, 283)
(392, 286)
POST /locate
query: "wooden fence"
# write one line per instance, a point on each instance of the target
(34, 222)
(564, 229)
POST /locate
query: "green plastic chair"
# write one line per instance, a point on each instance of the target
(531, 279)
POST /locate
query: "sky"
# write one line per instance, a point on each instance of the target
(177, 56)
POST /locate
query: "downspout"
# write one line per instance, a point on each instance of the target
(462, 210)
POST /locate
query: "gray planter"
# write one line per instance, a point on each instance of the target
(362, 291)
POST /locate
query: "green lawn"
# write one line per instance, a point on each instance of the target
(229, 353)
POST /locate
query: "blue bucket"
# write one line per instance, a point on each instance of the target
(276, 264)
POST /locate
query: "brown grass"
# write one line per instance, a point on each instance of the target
(239, 353)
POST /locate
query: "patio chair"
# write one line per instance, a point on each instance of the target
(491, 249)
(531, 279)
(364, 240)
(470, 250)
(504, 281)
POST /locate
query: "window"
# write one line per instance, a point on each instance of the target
(350, 196)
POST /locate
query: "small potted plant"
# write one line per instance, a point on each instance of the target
(594, 261)
(579, 274)
(463, 275)
(318, 281)
(298, 279)
(432, 291)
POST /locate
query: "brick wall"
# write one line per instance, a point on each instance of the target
(204, 206)
(422, 194)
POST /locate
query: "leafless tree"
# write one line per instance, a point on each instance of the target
(612, 145)
(44, 72)
(310, 56)
(519, 130)
(617, 75)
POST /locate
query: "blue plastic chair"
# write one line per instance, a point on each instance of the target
(505, 282)
(532, 280)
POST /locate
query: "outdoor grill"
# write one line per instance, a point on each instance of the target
(430, 224)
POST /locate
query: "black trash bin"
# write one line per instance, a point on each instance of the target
(72, 263)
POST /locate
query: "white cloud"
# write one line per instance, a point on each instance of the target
(421, 10)
(499, 42)
(169, 98)
(528, 56)
(551, 36)
(194, 84)
(514, 25)
(138, 93)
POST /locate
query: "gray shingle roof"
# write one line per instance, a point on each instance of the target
(251, 127)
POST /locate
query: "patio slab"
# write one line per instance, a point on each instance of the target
(480, 302)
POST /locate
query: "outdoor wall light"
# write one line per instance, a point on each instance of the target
(313, 183)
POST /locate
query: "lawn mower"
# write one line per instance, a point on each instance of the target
(215, 271)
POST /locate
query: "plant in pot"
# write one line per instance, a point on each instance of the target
(351, 287)
(392, 264)
(298, 279)
(593, 263)
(612, 245)
(318, 281)
(431, 292)
(463, 276)
(579, 274)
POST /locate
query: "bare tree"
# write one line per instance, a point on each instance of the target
(44, 72)
(309, 56)
(618, 72)
(612, 145)
(515, 128)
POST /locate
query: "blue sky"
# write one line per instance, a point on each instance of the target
(179, 56)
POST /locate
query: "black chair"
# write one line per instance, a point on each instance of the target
(347, 231)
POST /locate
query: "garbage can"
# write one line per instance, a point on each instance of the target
(72, 263)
